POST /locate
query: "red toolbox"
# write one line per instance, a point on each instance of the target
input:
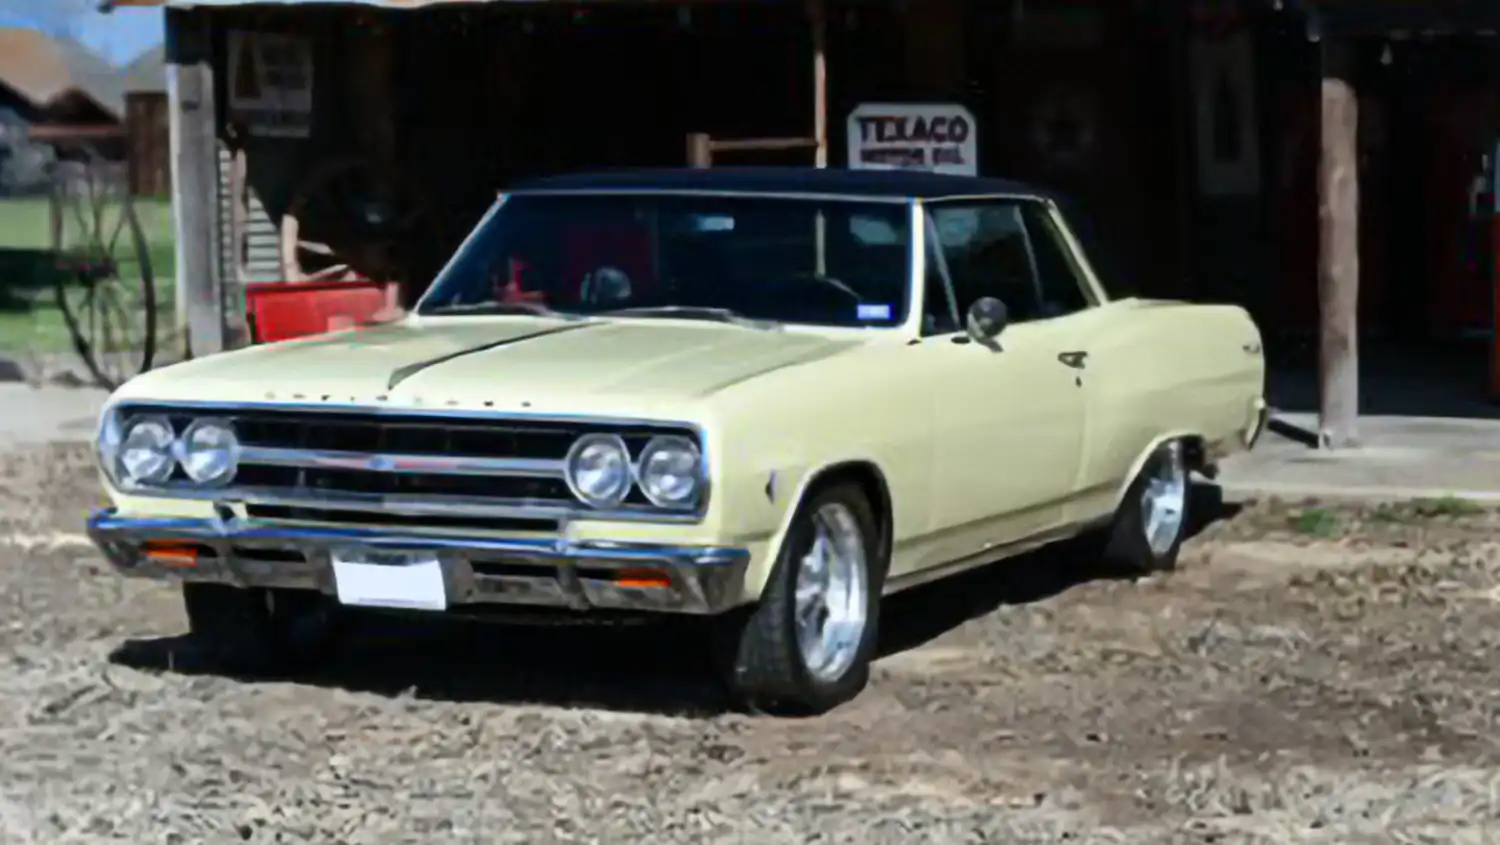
(286, 310)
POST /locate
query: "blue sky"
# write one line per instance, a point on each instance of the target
(122, 34)
(119, 36)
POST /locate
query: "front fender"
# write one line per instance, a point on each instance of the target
(792, 492)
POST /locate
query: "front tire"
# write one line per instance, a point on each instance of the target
(806, 646)
(261, 631)
(1151, 522)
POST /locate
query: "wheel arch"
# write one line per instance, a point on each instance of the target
(1196, 456)
(867, 475)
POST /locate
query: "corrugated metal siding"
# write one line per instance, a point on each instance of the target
(258, 259)
(260, 256)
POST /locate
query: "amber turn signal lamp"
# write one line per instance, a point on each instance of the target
(168, 553)
(642, 577)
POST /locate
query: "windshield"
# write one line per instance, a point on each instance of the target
(824, 262)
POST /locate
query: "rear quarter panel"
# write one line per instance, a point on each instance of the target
(1160, 369)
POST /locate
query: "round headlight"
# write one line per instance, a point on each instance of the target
(671, 472)
(145, 452)
(599, 470)
(209, 452)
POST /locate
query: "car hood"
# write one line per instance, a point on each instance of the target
(513, 363)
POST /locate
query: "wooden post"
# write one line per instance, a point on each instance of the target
(700, 150)
(1179, 61)
(1491, 214)
(818, 17)
(239, 212)
(195, 178)
(1338, 254)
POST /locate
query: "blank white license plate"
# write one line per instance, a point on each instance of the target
(410, 581)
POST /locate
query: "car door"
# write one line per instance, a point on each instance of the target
(1010, 415)
(1121, 360)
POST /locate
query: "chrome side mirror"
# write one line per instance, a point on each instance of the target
(986, 319)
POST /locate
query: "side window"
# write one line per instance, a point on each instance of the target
(1060, 282)
(937, 316)
(988, 254)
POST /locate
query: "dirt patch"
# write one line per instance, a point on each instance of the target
(1324, 679)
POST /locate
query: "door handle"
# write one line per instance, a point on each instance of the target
(1076, 360)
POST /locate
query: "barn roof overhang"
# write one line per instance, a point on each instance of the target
(107, 5)
(1364, 18)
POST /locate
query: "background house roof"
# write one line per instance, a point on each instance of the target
(148, 71)
(42, 69)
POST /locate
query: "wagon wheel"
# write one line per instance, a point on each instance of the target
(355, 215)
(103, 278)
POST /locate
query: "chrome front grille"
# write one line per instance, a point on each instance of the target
(444, 464)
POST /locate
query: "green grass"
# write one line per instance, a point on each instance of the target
(1318, 523)
(25, 224)
(1420, 510)
(30, 319)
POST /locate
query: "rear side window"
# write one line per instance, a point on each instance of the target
(1009, 249)
(1060, 279)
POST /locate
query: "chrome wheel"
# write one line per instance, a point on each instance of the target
(831, 600)
(1164, 499)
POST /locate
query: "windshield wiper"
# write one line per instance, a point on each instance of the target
(695, 312)
(494, 306)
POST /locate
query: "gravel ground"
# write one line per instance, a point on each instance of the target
(1310, 675)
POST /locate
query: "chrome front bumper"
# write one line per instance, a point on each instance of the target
(476, 570)
(1262, 416)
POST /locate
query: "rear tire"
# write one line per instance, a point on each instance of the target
(832, 556)
(1151, 522)
(261, 631)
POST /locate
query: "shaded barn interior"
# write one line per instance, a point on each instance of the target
(477, 97)
(1187, 133)
(445, 106)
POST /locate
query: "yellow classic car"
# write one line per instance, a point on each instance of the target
(769, 397)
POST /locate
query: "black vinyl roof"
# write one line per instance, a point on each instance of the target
(784, 180)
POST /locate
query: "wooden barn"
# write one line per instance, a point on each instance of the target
(1328, 163)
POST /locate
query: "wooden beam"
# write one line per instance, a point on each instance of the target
(65, 132)
(195, 178)
(700, 150)
(1338, 254)
(817, 13)
(742, 145)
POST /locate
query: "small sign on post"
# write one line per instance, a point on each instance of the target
(940, 137)
(270, 83)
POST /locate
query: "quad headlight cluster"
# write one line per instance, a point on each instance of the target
(147, 451)
(669, 471)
